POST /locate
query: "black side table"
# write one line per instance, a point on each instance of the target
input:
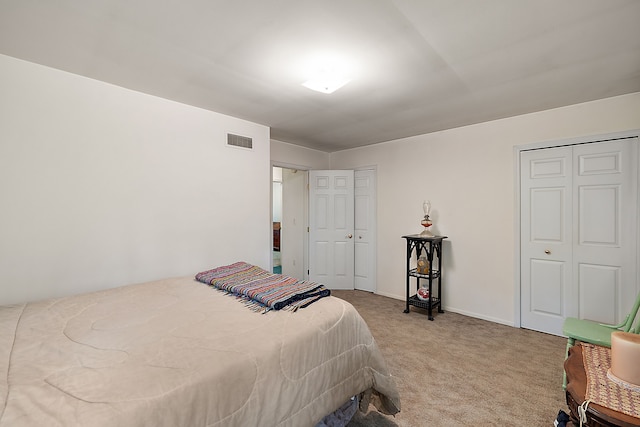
(431, 246)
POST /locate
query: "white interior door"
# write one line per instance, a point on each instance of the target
(365, 233)
(605, 217)
(546, 238)
(331, 228)
(578, 233)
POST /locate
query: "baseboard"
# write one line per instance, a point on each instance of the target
(480, 316)
(454, 310)
(384, 294)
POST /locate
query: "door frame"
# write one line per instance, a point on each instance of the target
(305, 204)
(516, 203)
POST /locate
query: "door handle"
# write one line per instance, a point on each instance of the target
(349, 235)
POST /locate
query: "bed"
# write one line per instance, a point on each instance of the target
(176, 352)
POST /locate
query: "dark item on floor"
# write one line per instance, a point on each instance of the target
(597, 415)
(562, 419)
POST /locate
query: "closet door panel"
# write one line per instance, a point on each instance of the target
(546, 238)
(605, 226)
(579, 215)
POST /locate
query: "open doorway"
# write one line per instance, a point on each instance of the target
(277, 219)
(290, 222)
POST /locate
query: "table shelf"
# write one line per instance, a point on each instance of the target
(434, 274)
(432, 249)
(417, 302)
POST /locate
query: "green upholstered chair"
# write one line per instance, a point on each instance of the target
(597, 333)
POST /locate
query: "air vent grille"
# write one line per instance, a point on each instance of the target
(239, 141)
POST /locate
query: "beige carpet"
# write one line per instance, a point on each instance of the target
(462, 371)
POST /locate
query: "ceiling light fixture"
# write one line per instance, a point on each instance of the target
(328, 73)
(326, 83)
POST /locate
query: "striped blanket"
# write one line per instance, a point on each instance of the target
(261, 290)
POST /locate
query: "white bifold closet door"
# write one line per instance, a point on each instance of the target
(579, 214)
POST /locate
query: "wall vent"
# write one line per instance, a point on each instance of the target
(239, 141)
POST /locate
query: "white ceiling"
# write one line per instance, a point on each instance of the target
(417, 66)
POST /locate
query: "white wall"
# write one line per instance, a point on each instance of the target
(296, 157)
(277, 201)
(468, 174)
(102, 186)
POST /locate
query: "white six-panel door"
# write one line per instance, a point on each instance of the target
(605, 250)
(578, 233)
(546, 238)
(331, 228)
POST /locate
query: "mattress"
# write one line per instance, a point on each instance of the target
(176, 352)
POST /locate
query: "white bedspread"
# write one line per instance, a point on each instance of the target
(176, 352)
